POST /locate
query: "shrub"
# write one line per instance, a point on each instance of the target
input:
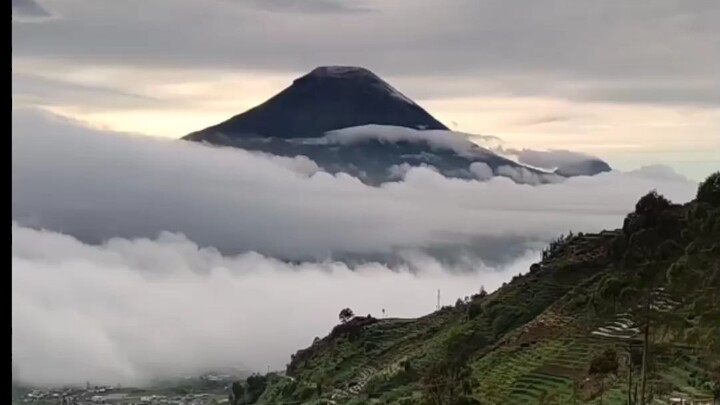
(346, 315)
(709, 190)
(604, 363)
(447, 383)
(618, 247)
(370, 346)
(505, 320)
(651, 202)
(669, 248)
(475, 309)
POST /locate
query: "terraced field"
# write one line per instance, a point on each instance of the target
(569, 331)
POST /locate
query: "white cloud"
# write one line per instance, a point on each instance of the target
(440, 139)
(96, 185)
(549, 159)
(522, 175)
(126, 310)
(133, 310)
(481, 170)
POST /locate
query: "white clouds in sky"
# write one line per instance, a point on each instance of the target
(138, 298)
(129, 311)
(96, 185)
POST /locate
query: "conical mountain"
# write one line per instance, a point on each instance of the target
(327, 98)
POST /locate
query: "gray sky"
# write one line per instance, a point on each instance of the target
(629, 81)
(666, 45)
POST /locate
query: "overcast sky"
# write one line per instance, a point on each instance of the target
(635, 82)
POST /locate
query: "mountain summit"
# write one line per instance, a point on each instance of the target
(327, 98)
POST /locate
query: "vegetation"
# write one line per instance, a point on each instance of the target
(248, 392)
(709, 190)
(629, 316)
(346, 315)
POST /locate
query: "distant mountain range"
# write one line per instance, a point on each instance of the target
(347, 119)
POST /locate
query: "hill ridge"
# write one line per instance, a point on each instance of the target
(534, 340)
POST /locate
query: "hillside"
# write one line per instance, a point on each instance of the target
(624, 316)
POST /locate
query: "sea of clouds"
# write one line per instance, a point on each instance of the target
(136, 258)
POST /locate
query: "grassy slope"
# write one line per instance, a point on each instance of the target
(529, 342)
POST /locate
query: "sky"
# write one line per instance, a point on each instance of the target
(635, 83)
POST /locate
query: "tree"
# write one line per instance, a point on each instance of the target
(256, 384)
(651, 202)
(447, 383)
(556, 246)
(237, 393)
(346, 315)
(602, 365)
(709, 190)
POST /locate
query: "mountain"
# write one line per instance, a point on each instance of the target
(327, 98)
(629, 315)
(345, 100)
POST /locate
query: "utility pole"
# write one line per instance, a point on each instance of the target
(438, 299)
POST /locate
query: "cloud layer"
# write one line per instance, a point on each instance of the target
(96, 185)
(647, 52)
(133, 310)
(182, 261)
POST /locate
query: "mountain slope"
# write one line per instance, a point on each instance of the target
(327, 98)
(601, 317)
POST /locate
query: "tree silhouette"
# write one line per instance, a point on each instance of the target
(346, 315)
(709, 190)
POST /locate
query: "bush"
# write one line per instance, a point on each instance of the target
(556, 246)
(475, 309)
(370, 346)
(709, 190)
(618, 247)
(306, 392)
(466, 400)
(505, 320)
(447, 383)
(669, 248)
(459, 346)
(255, 387)
(604, 363)
(651, 202)
(346, 315)
(611, 287)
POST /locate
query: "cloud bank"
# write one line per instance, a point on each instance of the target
(135, 258)
(130, 311)
(96, 185)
